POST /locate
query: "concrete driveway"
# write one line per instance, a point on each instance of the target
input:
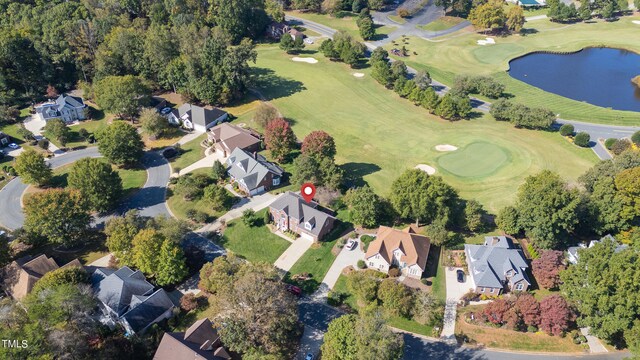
(35, 124)
(455, 291)
(293, 253)
(345, 258)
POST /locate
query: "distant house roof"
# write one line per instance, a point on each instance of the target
(489, 263)
(573, 254)
(296, 207)
(231, 136)
(118, 289)
(415, 247)
(52, 109)
(158, 103)
(296, 33)
(21, 275)
(146, 309)
(200, 341)
(251, 170)
(198, 115)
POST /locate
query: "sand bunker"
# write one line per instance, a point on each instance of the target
(307, 60)
(636, 22)
(446, 147)
(358, 75)
(487, 41)
(426, 168)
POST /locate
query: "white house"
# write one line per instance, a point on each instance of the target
(196, 118)
(403, 249)
(66, 107)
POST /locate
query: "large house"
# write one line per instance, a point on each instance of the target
(66, 107)
(21, 275)
(200, 341)
(573, 255)
(496, 266)
(226, 137)
(252, 172)
(290, 212)
(403, 249)
(196, 118)
(128, 298)
(4, 139)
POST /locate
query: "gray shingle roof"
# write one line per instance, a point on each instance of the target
(243, 166)
(147, 309)
(296, 207)
(117, 288)
(489, 263)
(199, 115)
(51, 110)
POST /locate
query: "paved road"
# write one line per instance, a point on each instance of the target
(150, 200)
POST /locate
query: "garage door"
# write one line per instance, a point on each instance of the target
(306, 236)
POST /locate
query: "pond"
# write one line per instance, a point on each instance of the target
(598, 76)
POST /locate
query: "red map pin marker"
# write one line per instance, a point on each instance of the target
(308, 191)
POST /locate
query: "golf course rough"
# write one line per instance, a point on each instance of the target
(476, 160)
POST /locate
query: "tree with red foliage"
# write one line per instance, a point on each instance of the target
(556, 315)
(496, 311)
(529, 309)
(546, 268)
(320, 144)
(52, 92)
(279, 138)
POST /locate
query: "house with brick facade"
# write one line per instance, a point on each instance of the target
(290, 212)
(403, 249)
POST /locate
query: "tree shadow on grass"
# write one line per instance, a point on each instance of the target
(273, 86)
(355, 172)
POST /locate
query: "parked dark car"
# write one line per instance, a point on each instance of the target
(294, 290)
(460, 275)
(170, 153)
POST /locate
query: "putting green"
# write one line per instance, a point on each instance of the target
(478, 159)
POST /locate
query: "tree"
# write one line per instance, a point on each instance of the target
(632, 335)
(620, 146)
(146, 247)
(217, 196)
(172, 266)
(427, 309)
(488, 16)
(547, 209)
(515, 19)
(603, 289)
(5, 250)
(340, 341)
(438, 233)
(32, 168)
(152, 123)
(608, 10)
(430, 99)
(240, 18)
(120, 232)
(260, 317)
(628, 186)
(365, 23)
(249, 217)
(319, 143)
(425, 198)
(364, 206)
(566, 130)
(265, 113)
(496, 312)
(422, 79)
(286, 43)
(556, 315)
(62, 216)
(547, 267)
(474, 216)
(635, 138)
(279, 138)
(397, 299)
(58, 130)
(363, 286)
(584, 11)
(120, 143)
(121, 95)
(582, 139)
(192, 186)
(73, 275)
(99, 184)
(218, 171)
(529, 309)
(219, 273)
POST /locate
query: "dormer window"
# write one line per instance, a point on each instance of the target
(308, 226)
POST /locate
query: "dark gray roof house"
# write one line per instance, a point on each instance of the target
(290, 212)
(66, 107)
(196, 118)
(126, 296)
(252, 172)
(497, 264)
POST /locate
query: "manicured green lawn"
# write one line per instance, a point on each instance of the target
(347, 23)
(478, 159)
(379, 135)
(253, 243)
(132, 179)
(460, 54)
(191, 152)
(438, 283)
(443, 23)
(179, 207)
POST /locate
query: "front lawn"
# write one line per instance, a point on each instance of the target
(443, 23)
(512, 340)
(255, 243)
(132, 179)
(180, 207)
(191, 152)
(347, 23)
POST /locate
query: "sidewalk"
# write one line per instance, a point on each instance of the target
(256, 203)
(595, 346)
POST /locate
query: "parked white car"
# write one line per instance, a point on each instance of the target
(14, 146)
(351, 244)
